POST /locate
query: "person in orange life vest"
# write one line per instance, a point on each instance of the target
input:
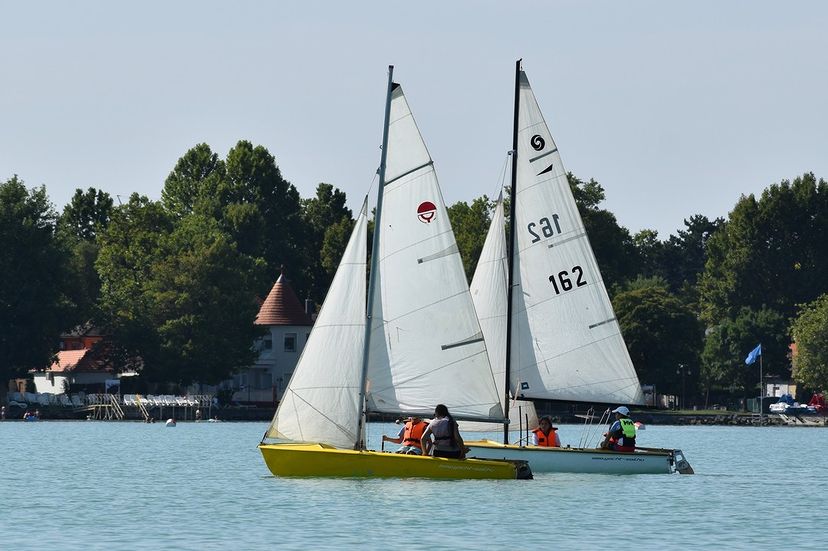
(546, 435)
(410, 436)
(621, 435)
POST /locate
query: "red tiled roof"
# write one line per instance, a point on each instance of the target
(282, 307)
(67, 360)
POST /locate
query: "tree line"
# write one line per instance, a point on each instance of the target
(175, 281)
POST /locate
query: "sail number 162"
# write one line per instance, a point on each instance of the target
(562, 281)
(545, 226)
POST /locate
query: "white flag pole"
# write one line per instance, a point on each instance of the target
(761, 389)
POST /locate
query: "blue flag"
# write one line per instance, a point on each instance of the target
(755, 353)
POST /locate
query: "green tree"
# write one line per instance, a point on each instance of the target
(87, 213)
(662, 334)
(327, 212)
(770, 252)
(83, 282)
(727, 345)
(684, 254)
(333, 246)
(262, 210)
(471, 224)
(680, 259)
(196, 177)
(83, 218)
(650, 252)
(177, 292)
(33, 301)
(201, 294)
(250, 199)
(809, 330)
(129, 248)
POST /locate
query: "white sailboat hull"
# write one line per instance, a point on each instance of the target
(579, 460)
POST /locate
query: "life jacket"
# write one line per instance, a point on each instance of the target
(627, 441)
(447, 442)
(544, 440)
(413, 433)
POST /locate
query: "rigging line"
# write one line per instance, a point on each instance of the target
(370, 187)
(333, 422)
(501, 181)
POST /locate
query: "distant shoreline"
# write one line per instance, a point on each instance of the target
(720, 418)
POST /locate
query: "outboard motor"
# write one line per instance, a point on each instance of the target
(681, 463)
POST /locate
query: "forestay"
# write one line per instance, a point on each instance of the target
(320, 403)
(426, 346)
(566, 341)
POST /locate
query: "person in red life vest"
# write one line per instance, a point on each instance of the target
(410, 436)
(621, 435)
(546, 435)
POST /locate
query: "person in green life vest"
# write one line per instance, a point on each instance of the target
(621, 434)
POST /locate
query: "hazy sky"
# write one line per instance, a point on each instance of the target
(675, 108)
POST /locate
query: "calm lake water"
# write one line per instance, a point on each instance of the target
(106, 485)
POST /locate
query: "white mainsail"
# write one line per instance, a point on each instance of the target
(566, 341)
(320, 403)
(489, 293)
(426, 345)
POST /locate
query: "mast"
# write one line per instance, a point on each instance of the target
(372, 278)
(510, 256)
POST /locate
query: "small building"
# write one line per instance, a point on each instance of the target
(80, 369)
(85, 362)
(779, 387)
(288, 327)
(83, 336)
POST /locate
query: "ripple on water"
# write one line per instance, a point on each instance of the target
(94, 485)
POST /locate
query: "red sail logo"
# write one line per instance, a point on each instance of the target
(426, 212)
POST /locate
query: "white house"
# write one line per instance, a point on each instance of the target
(288, 326)
(72, 369)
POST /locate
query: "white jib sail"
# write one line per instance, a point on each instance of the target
(426, 344)
(320, 403)
(566, 342)
(489, 293)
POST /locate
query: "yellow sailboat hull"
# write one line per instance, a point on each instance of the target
(314, 460)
